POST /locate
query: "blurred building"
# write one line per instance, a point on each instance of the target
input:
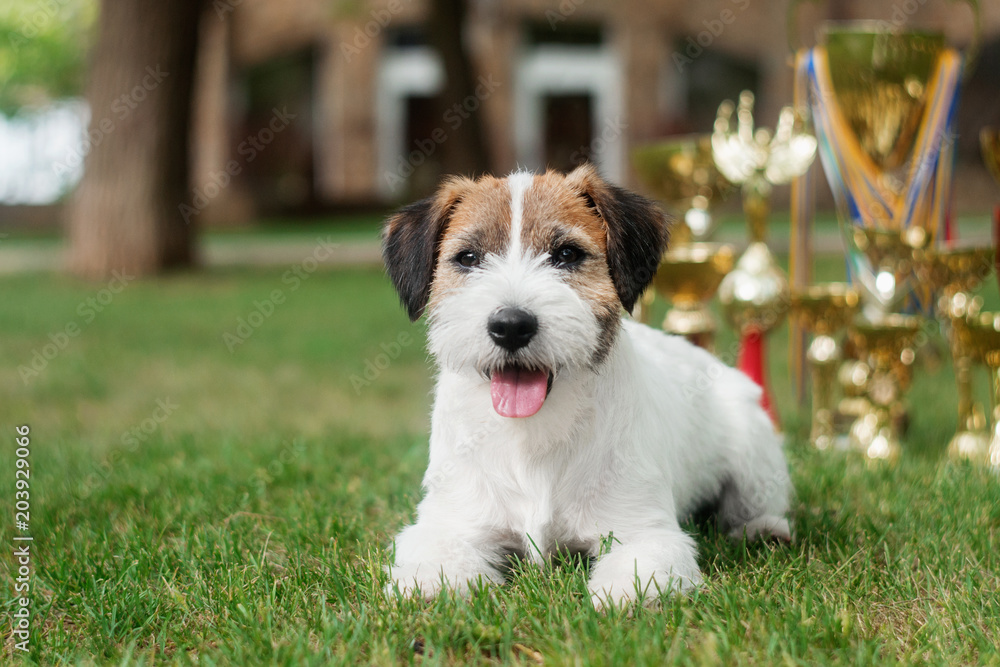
(345, 92)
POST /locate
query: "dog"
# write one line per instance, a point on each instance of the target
(559, 426)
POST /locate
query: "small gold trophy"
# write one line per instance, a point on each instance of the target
(956, 272)
(984, 344)
(755, 295)
(824, 309)
(680, 172)
(983, 329)
(887, 346)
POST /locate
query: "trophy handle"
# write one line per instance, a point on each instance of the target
(971, 54)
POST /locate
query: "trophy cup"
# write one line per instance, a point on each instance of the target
(984, 344)
(755, 294)
(956, 272)
(883, 104)
(884, 345)
(680, 172)
(824, 309)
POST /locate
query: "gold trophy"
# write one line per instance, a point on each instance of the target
(883, 103)
(983, 329)
(680, 172)
(984, 344)
(755, 295)
(956, 272)
(884, 339)
(823, 310)
(887, 346)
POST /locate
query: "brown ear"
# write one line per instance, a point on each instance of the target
(637, 228)
(410, 240)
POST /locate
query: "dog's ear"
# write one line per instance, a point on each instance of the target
(410, 240)
(637, 230)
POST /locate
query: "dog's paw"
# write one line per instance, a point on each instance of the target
(428, 579)
(624, 588)
(763, 528)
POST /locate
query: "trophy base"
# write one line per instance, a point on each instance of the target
(874, 438)
(971, 446)
(696, 323)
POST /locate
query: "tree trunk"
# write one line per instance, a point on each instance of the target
(467, 149)
(127, 212)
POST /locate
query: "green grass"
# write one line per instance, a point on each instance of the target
(250, 526)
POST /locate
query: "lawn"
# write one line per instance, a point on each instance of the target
(209, 492)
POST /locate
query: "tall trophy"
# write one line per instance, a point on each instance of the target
(755, 295)
(884, 110)
(824, 309)
(681, 173)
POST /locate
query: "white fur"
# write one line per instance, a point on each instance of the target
(518, 183)
(616, 456)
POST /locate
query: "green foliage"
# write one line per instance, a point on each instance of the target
(43, 47)
(250, 526)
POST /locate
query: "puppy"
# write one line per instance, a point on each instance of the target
(557, 425)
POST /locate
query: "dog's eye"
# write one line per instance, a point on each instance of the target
(467, 258)
(567, 255)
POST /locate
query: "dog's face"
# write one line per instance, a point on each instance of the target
(524, 278)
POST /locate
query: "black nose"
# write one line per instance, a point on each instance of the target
(512, 328)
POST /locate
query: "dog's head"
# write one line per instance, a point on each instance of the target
(524, 277)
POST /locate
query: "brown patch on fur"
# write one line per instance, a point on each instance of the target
(480, 222)
(637, 231)
(621, 234)
(556, 214)
(410, 241)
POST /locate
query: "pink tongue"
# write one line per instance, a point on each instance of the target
(518, 392)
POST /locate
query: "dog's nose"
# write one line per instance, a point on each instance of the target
(512, 328)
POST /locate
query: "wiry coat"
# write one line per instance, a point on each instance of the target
(637, 428)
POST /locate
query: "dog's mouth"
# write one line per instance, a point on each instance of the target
(518, 391)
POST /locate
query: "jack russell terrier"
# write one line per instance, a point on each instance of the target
(559, 426)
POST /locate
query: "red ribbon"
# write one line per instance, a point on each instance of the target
(752, 362)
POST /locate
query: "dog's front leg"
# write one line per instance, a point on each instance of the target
(430, 556)
(643, 565)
